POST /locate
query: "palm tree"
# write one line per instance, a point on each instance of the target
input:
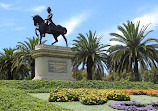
(25, 56)
(6, 61)
(133, 50)
(21, 66)
(89, 52)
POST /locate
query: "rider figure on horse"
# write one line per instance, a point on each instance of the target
(49, 22)
(44, 25)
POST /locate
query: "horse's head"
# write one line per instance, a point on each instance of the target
(37, 20)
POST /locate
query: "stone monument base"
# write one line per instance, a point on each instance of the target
(53, 62)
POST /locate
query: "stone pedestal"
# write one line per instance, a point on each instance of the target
(53, 62)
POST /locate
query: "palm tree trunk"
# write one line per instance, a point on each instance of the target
(89, 67)
(136, 70)
(10, 76)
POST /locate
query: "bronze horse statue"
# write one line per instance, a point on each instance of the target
(44, 28)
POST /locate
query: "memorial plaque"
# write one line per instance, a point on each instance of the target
(57, 66)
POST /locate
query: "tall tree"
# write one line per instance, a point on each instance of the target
(25, 48)
(133, 50)
(89, 52)
(6, 61)
(21, 66)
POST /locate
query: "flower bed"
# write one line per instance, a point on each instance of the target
(149, 92)
(117, 95)
(63, 95)
(91, 96)
(95, 96)
(92, 99)
(87, 96)
(135, 106)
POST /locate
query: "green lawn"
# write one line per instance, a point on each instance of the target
(77, 106)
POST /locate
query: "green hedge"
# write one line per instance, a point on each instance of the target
(48, 85)
(17, 100)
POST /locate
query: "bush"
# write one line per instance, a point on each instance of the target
(117, 95)
(92, 96)
(150, 75)
(48, 85)
(62, 95)
(92, 99)
(17, 100)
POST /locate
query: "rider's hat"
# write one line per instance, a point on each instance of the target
(48, 9)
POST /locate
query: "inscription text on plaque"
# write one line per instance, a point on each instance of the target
(57, 66)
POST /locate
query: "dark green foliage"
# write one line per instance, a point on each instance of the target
(133, 50)
(150, 75)
(90, 53)
(48, 85)
(6, 62)
(16, 100)
(24, 57)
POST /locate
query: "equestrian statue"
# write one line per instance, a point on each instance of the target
(47, 26)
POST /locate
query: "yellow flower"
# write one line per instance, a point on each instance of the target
(66, 98)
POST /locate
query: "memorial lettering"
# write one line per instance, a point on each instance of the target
(57, 66)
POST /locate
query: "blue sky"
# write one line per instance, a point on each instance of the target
(78, 16)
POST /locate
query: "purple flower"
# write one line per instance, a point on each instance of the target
(135, 106)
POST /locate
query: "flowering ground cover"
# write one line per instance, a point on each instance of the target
(100, 96)
(149, 92)
(87, 96)
(96, 96)
(135, 106)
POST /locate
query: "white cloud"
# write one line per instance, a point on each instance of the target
(38, 8)
(4, 5)
(11, 24)
(75, 21)
(72, 23)
(19, 28)
(147, 18)
(151, 17)
(7, 24)
(9, 6)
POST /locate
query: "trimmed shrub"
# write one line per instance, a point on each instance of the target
(41, 86)
(87, 96)
(118, 95)
(92, 99)
(62, 95)
(17, 100)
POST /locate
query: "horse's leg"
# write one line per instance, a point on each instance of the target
(36, 31)
(65, 39)
(40, 38)
(56, 40)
